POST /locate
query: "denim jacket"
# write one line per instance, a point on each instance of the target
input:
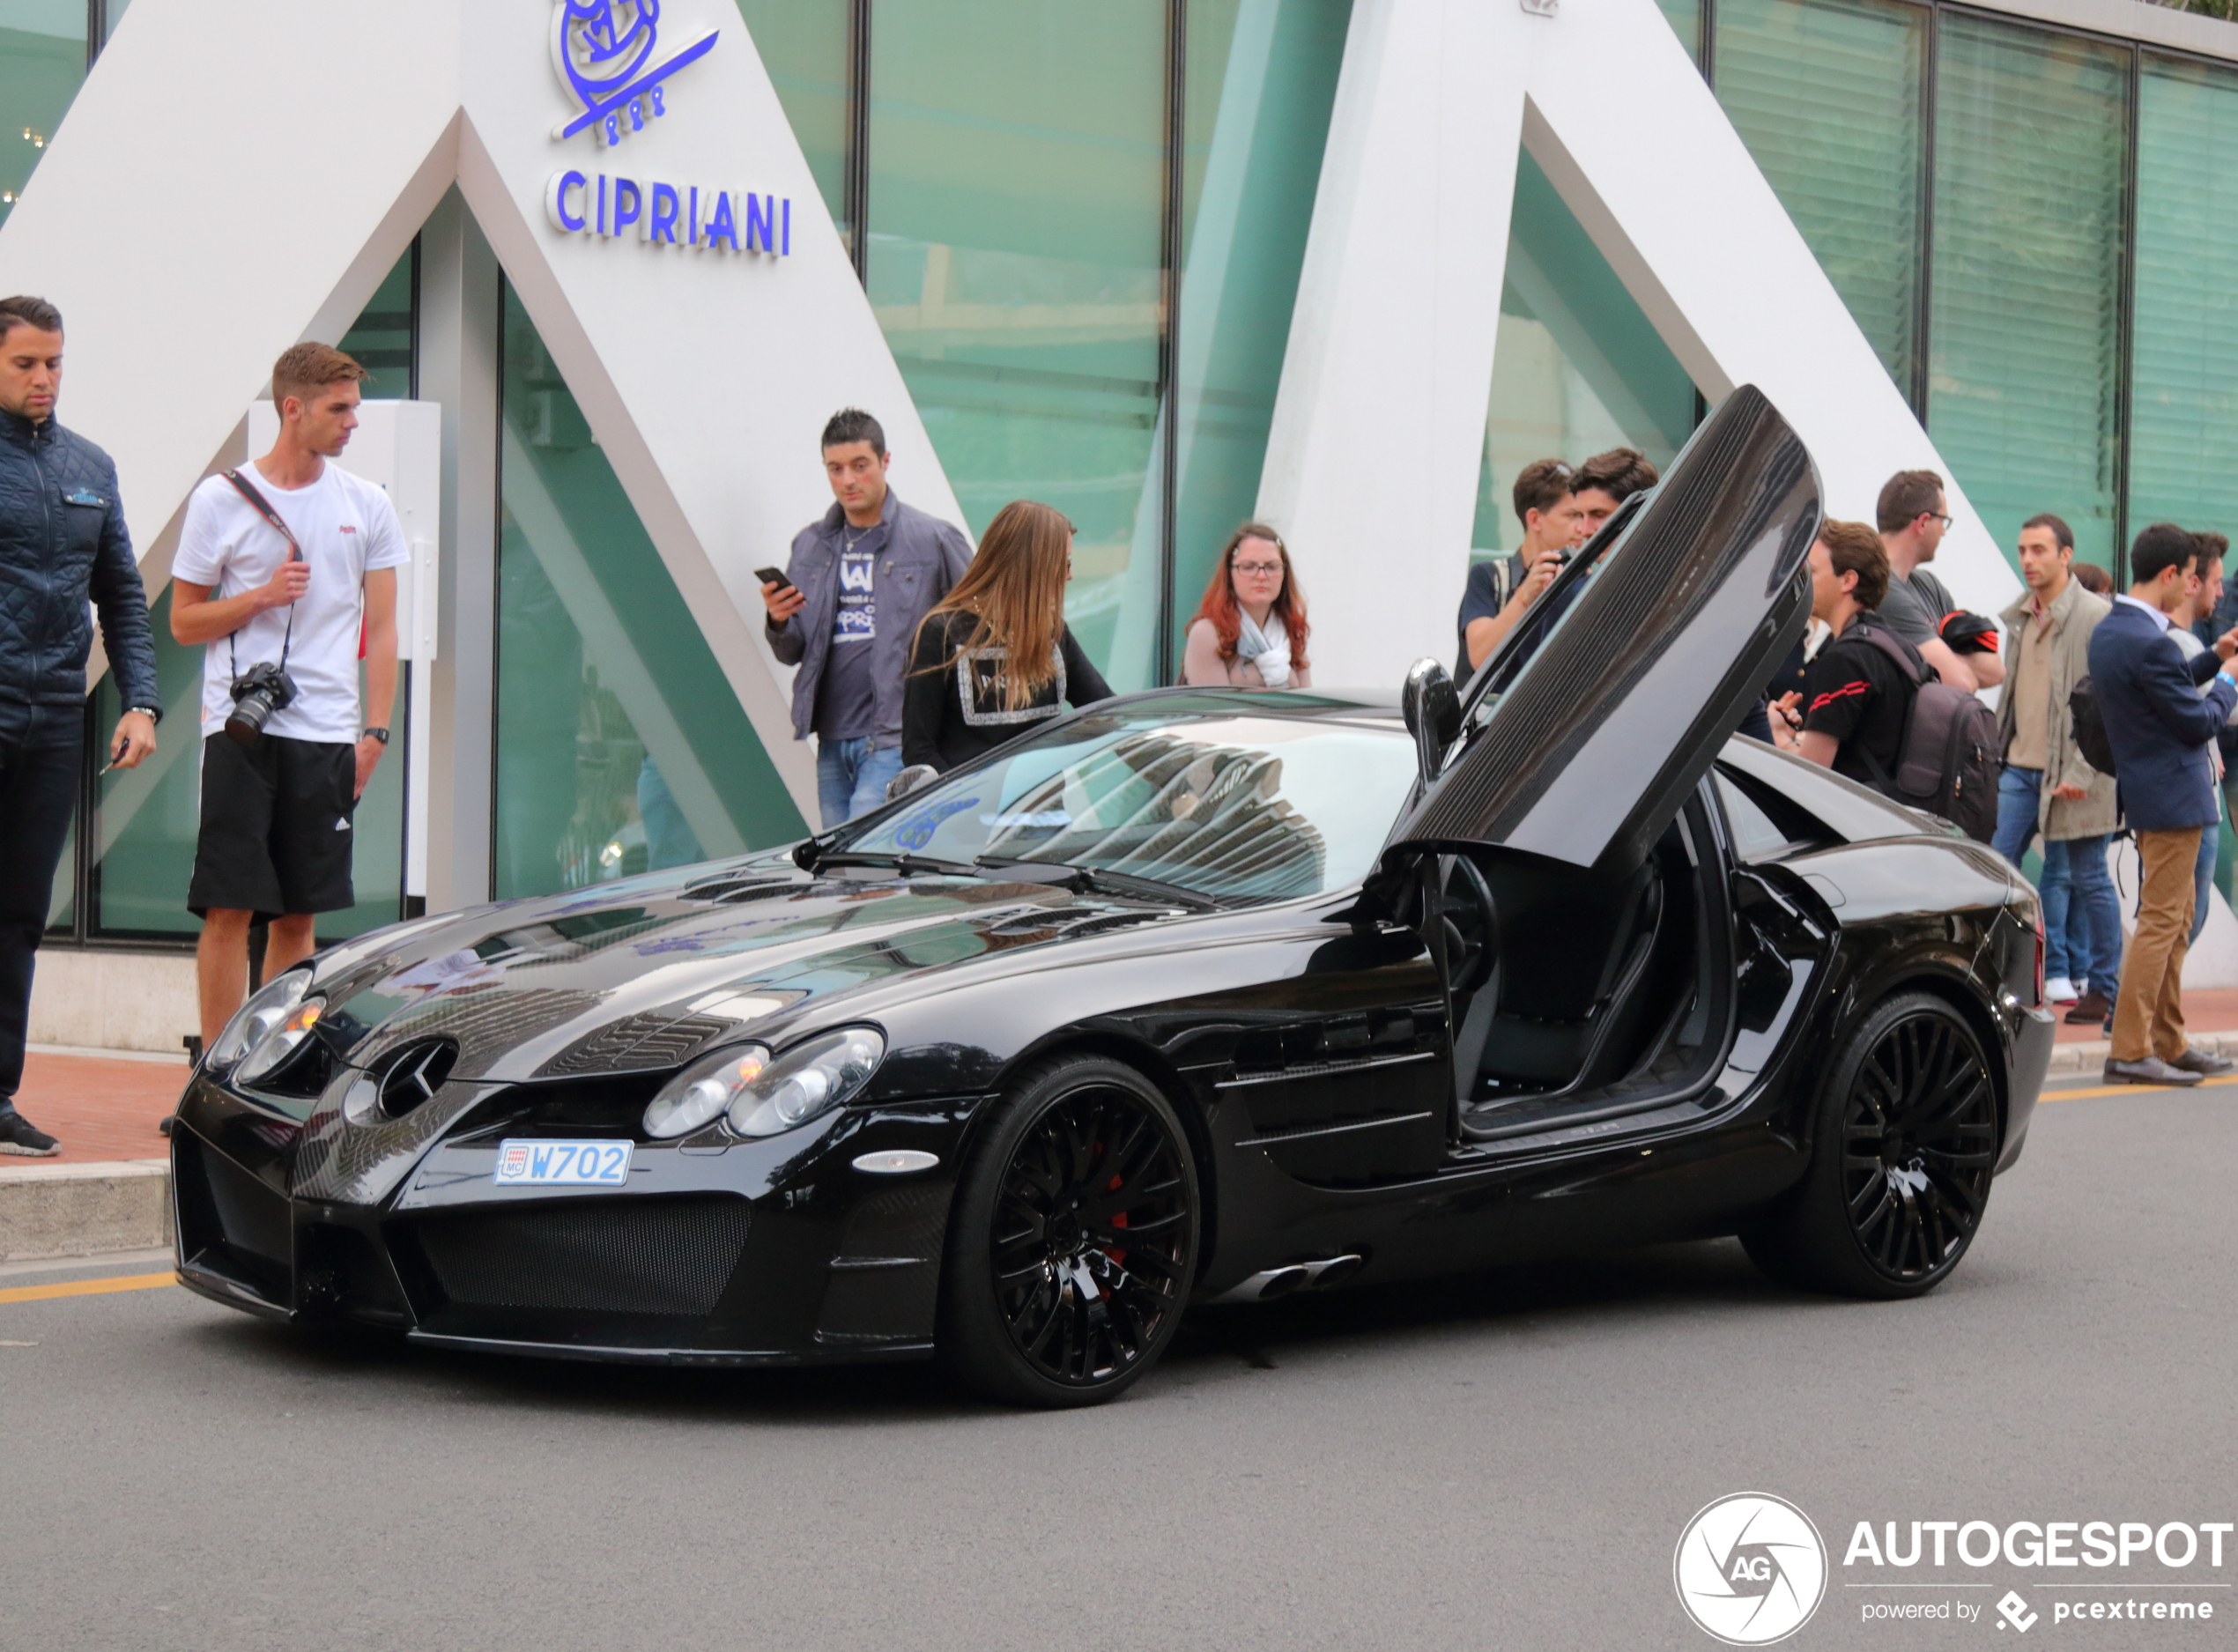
(922, 559)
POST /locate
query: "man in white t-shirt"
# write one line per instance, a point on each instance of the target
(277, 804)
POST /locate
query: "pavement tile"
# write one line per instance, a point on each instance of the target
(99, 1109)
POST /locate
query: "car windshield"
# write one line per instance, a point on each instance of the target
(1233, 805)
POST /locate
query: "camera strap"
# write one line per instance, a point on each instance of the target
(263, 507)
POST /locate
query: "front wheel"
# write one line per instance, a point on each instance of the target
(1899, 1173)
(1073, 1244)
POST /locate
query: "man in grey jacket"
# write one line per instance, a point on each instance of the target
(2047, 787)
(858, 582)
(63, 545)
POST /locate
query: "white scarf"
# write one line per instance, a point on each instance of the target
(1267, 648)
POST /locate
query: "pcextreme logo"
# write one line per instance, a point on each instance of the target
(1750, 1569)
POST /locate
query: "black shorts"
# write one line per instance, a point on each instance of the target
(276, 826)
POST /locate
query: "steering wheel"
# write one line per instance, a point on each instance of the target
(1472, 920)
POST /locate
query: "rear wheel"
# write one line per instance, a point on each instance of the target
(1905, 1145)
(1073, 1244)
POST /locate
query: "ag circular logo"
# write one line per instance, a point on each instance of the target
(1750, 1569)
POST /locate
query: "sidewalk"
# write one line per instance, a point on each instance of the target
(109, 1187)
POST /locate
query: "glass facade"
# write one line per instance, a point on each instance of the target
(2024, 346)
(2183, 418)
(42, 63)
(620, 745)
(1016, 258)
(1826, 95)
(1261, 76)
(1578, 369)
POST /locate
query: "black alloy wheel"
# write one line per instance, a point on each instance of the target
(1073, 1244)
(1899, 1175)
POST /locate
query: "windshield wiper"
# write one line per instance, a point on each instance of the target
(908, 865)
(1084, 880)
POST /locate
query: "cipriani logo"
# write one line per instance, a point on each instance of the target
(603, 50)
(1750, 1569)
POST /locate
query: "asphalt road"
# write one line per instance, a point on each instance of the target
(1505, 1460)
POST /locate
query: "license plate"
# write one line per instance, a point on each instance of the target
(542, 1164)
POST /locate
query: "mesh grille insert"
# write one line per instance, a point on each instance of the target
(618, 1257)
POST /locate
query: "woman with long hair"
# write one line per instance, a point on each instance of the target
(1250, 629)
(995, 657)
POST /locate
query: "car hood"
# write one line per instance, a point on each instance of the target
(642, 974)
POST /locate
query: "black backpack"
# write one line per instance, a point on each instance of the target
(2090, 727)
(1946, 762)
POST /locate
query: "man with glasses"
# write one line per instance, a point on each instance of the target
(1913, 517)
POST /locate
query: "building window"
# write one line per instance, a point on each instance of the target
(1260, 83)
(1826, 95)
(2031, 133)
(805, 45)
(2183, 430)
(621, 747)
(1016, 219)
(1577, 369)
(42, 63)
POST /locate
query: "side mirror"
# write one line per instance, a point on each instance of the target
(909, 780)
(1432, 707)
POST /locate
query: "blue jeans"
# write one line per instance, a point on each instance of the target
(851, 777)
(2203, 878)
(2082, 917)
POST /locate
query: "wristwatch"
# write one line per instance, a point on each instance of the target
(381, 735)
(154, 713)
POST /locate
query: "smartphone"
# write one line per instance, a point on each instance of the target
(771, 576)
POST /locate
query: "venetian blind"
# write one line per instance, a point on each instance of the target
(2184, 425)
(2029, 139)
(1825, 93)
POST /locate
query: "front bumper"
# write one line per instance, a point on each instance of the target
(742, 1253)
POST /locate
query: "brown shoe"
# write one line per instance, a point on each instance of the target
(2089, 1010)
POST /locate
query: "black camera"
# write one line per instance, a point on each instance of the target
(258, 691)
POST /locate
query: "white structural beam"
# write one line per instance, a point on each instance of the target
(1373, 460)
(1371, 466)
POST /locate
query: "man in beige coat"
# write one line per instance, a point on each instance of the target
(2047, 787)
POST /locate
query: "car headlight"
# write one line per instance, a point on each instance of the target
(267, 1029)
(702, 1091)
(764, 1095)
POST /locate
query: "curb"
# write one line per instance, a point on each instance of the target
(2091, 1057)
(83, 1210)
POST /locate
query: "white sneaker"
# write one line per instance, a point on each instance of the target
(2059, 990)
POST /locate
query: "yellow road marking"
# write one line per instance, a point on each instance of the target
(2124, 1089)
(87, 1287)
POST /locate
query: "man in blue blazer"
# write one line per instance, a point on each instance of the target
(2162, 730)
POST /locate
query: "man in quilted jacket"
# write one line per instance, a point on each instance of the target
(62, 544)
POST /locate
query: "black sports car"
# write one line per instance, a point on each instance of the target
(1194, 995)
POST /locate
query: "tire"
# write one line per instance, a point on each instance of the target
(1905, 1145)
(1082, 1155)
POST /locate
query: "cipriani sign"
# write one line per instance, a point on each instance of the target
(607, 53)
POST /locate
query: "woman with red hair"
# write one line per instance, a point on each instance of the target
(1250, 629)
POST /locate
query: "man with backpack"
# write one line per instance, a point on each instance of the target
(2161, 728)
(1875, 711)
(2049, 786)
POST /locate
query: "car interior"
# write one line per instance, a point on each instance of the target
(1607, 997)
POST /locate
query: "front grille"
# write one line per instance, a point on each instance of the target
(602, 1257)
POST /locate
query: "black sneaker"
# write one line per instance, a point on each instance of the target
(19, 1136)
